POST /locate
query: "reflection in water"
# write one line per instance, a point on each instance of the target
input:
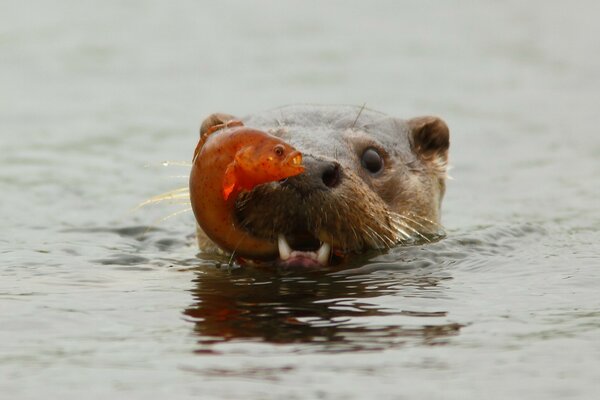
(380, 300)
(328, 312)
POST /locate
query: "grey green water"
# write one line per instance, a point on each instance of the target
(98, 300)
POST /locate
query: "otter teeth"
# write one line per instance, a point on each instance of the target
(321, 255)
(285, 251)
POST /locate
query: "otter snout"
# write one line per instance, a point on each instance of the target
(318, 175)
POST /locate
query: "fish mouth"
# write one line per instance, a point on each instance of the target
(294, 161)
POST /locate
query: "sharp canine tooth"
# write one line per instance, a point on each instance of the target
(324, 252)
(284, 248)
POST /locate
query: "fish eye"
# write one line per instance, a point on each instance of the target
(279, 150)
(372, 161)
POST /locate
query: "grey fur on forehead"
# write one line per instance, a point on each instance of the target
(316, 126)
(316, 116)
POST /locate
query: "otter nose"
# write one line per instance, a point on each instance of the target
(319, 173)
(331, 174)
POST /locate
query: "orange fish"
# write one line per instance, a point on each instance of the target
(261, 159)
(228, 160)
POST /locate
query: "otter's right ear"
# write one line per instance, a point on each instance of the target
(430, 140)
(210, 124)
(215, 119)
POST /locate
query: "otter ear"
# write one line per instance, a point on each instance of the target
(215, 119)
(212, 123)
(430, 140)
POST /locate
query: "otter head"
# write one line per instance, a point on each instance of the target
(370, 182)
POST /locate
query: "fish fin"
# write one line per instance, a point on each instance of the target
(229, 180)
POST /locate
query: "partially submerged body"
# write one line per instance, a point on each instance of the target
(370, 181)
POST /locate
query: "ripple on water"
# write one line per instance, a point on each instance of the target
(382, 300)
(378, 301)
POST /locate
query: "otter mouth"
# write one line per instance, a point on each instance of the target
(300, 251)
(305, 254)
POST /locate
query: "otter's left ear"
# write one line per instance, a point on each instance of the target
(430, 140)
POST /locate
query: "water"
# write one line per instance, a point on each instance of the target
(100, 300)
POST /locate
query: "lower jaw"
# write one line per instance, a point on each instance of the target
(300, 262)
(297, 261)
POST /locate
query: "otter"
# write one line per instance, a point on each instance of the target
(370, 182)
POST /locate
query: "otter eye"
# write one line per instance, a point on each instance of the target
(279, 150)
(371, 160)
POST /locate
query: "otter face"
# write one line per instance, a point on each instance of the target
(370, 182)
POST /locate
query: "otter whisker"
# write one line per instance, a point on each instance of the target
(384, 241)
(161, 198)
(355, 233)
(176, 213)
(394, 230)
(372, 238)
(178, 190)
(181, 190)
(182, 203)
(410, 228)
(404, 217)
(358, 115)
(230, 262)
(169, 163)
(344, 209)
(166, 197)
(390, 235)
(402, 232)
(420, 217)
(402, 221)
(179, 176)
(433, 223)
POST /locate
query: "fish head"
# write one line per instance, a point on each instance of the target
(268, 160)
